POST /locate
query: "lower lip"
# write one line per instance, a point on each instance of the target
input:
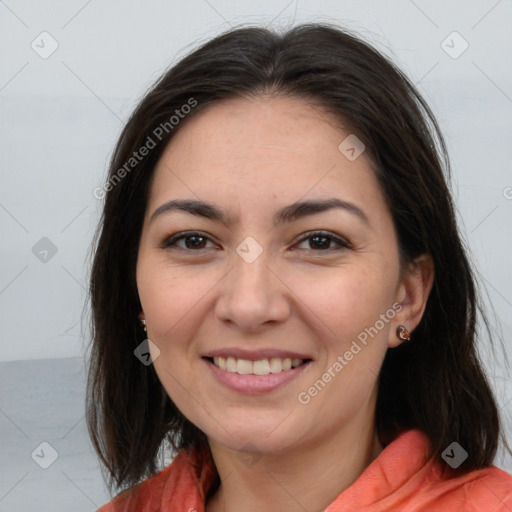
(255, 384)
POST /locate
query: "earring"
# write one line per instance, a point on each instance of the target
(403, 333)
(143, 322)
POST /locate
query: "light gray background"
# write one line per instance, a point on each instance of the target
(60, 117)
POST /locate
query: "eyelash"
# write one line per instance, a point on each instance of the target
(170, 242)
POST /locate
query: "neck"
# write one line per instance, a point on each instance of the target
(308, 477)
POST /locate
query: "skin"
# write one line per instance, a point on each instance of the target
(250, 157)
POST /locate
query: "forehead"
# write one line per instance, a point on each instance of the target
(248, 149)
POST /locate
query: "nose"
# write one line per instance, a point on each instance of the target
(252, 294)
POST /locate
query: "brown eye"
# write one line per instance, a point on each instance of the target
(191, 241)
(321, 241)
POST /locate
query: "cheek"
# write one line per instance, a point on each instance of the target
(343, 301)
(171, 301)
(169, 296)
(347, 306)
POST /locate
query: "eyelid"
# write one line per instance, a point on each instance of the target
(171, 240)
(341, 242)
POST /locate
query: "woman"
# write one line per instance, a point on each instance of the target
(280, 292)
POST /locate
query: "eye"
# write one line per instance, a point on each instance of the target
(194, 240)
(322, 240)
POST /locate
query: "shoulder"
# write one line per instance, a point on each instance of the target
(428, 486)
(483, 490)
(168, 486)
(141, 495)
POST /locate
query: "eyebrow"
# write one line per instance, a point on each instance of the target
(288, 213)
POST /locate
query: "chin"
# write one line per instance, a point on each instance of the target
(250, 435)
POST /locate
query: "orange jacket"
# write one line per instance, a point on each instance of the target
(401, 479)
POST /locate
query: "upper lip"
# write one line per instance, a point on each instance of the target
(255, 355)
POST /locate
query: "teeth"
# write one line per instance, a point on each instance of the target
(230, 364)
(261, 367)
(243, 367)
(276, 365)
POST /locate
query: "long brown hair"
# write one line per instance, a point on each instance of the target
(435, 384)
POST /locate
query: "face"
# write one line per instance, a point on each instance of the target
(272, 322)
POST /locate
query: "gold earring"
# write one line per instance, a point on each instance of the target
(403, 333)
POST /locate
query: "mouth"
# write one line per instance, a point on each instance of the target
(255, 376)
(260, 367)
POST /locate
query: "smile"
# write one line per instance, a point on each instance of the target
(261, 367)
(255, 377)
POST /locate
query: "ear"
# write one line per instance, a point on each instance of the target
(412, 294)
